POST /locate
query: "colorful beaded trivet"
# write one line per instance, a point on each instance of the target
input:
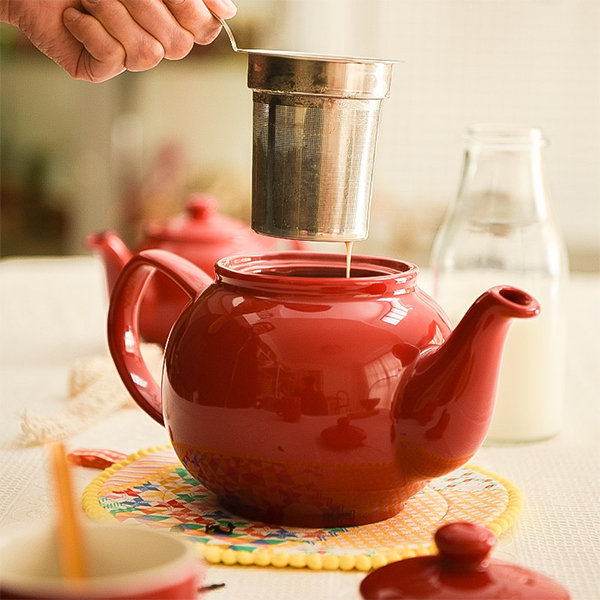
(153, 488)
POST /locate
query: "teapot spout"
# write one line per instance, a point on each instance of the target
(443, 410)
(113, 251)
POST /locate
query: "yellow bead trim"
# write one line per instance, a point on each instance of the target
(89, 500)
(263, 557)
(501, 523)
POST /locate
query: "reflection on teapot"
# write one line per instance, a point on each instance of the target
(201, 235)
(302, 397)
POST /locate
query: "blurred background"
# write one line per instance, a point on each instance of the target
(76, 156)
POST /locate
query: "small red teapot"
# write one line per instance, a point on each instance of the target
(200, 234)
(303, 397)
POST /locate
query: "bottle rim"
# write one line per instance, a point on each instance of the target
(505, 136)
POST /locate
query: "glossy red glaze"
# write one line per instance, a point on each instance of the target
(303, 397)
(460, 571)
(200, 234)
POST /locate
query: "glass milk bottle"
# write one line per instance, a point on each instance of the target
(500, 230)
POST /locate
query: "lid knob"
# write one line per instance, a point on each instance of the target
(201, 206)
(464, 545)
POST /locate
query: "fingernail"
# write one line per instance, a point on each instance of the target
(71, 14)
(228, 9)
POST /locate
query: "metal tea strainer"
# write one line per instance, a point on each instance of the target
(315, 128)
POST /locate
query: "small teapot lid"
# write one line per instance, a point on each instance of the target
(200, 222)
(461, 570)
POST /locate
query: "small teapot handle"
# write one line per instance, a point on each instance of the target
(123, 330)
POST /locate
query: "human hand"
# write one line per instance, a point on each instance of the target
(96, 40)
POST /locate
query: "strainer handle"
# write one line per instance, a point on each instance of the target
(227, 31)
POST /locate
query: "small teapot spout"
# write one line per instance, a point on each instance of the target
(113, 251)
(443, 410)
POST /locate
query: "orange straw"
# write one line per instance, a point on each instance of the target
(70, 539)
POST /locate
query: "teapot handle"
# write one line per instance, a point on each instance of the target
(123, 329)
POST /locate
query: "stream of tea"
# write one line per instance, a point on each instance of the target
(348, 258)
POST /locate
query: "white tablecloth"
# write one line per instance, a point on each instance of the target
(52, 312)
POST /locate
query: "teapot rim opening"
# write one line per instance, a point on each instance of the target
(324, 267)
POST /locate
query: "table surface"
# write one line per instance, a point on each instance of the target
(52, 312)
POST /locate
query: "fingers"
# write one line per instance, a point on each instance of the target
(155, 18)
(226, 9)
(195, 16)
(137, 34)
(142, 50)
(102, 56)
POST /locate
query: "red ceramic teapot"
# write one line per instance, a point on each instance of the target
(303, 397)
(200, 234)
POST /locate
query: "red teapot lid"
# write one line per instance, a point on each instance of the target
(200, 223)
(461, 570)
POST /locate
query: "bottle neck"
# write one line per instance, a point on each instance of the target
(503, 178)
